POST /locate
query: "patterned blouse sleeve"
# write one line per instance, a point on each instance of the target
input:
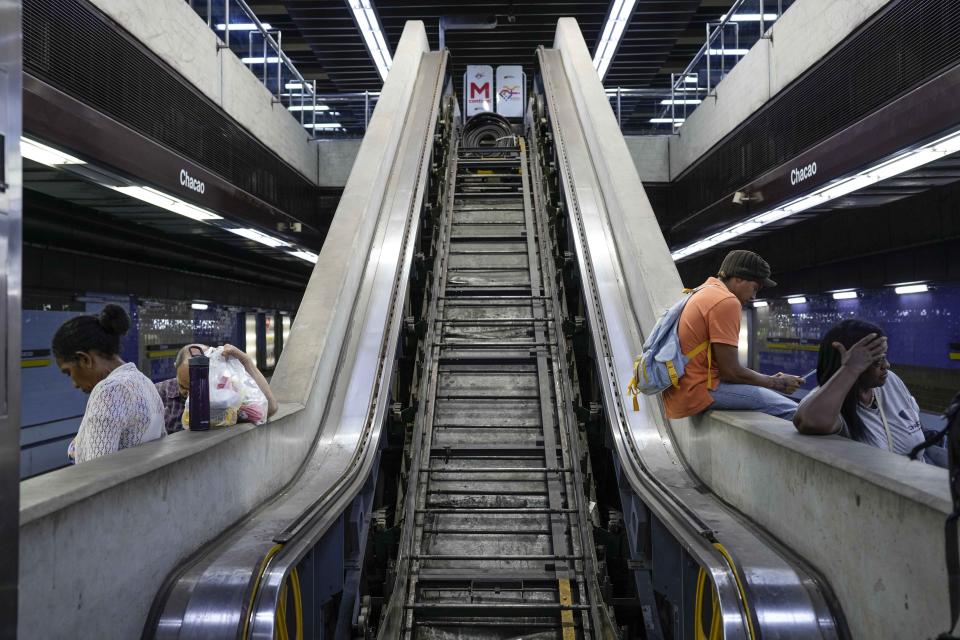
(105, 420)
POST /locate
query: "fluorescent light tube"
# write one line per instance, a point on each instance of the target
(888, 168)
(911, 288)
(307, 107)
(309, 256)
(170, 203)
(844, 295)
(199, 306)
(666, 121)
(681, 101)
(244, 26)
(760, 304)
(750, 17)
(369, 26)
(33, 150)
(324, 125)
(797, 300)
(260, 60)
(262, 238)
(617, 19)
(728, 52)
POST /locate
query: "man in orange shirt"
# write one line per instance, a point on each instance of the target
(712, 315)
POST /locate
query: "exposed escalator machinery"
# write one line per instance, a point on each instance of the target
(497, 541)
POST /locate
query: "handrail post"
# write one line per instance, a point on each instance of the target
(673, 99)
(619, 118)
(279, 63)
(366, 108)
(708, 58)
(313, 118)
(226, 22)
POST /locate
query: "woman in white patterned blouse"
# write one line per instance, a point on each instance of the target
(124, 409)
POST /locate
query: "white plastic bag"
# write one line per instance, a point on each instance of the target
(225, 395)
(253, 403)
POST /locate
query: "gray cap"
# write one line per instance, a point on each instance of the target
(741, 263)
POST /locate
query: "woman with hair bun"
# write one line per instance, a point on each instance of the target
(124, 409)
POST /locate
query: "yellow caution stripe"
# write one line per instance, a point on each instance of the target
(165, 353)
(31, 363)
(566, 615)
(791, 346)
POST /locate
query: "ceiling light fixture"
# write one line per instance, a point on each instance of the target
(728, 52)
(845, 295)
(681, 101)
(616, 24)
(911, 288)
(244, 26)
(309, 256)
(760, 304)
(260, 60)
(797, 300)
(369, 26)
(900, 163)
(666, 120)
(199, 306)
(170, 203)
(324, 125)
(259, 236)
(307, 107)
(33, 150)
(750, 17)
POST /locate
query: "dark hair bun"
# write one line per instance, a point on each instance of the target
(114, 320)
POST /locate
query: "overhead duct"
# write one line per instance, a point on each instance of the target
(463, 23)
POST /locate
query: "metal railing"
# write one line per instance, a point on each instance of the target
(260, 47)
(726, 41)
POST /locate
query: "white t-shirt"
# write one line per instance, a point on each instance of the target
(902, 413)
(124, 410)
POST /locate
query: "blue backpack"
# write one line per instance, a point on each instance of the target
(662, 363)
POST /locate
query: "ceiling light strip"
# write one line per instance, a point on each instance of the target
(900, 163)
(369, 25)
(613, 29)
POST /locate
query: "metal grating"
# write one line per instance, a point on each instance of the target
(71, 46)
(901, 48)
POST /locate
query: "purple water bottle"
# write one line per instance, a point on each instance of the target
(199, 366)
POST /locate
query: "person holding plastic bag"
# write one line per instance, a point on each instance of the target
(238, 391)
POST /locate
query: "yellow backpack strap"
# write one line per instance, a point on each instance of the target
(697, 350)
(632, 389)
(674, 379)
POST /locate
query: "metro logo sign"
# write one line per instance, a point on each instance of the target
(478, 87)
(480, 92)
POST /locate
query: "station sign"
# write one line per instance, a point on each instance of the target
(478, 89)
(510, 91)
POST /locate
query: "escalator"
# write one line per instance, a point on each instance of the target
(474, 447)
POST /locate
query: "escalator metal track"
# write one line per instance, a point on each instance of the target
(496, 544)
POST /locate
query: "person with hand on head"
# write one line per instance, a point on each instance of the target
(858, 395)
(175, 391)
(714, 377)
(124, 409)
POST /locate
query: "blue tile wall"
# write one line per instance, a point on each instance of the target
(921, 327)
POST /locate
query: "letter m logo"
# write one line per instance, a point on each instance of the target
(480, 89)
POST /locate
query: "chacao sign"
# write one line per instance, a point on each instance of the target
(191, 183)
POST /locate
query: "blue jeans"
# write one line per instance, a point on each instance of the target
(746, 397)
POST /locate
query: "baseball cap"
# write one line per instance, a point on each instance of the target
(741, 263)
